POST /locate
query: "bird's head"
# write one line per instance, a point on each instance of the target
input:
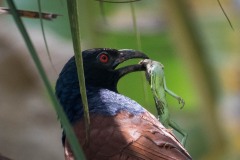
(100, 74)
(100, 68)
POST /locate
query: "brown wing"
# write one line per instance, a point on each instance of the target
(128, 137)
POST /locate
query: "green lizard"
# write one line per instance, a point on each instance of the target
(155, 76)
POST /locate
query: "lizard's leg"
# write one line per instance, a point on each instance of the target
(161, 103)
(159, 111)
(176, 127)
(155, 91)
(180, 100)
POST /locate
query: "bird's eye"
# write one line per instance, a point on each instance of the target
(103, 57)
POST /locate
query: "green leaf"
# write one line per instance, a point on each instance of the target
(74, 19)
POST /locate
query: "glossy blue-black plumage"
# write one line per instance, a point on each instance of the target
(101, 99)
(131, 131)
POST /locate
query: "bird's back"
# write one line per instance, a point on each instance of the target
(126, 136)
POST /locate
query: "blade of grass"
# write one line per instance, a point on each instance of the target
(225, 14)
(101, 5)
(139, 47)
(43, 32)
(135, 27)
(74, 18)
(65, 123)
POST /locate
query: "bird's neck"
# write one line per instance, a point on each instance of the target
(101, 101)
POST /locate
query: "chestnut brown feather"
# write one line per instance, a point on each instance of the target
(127, 137)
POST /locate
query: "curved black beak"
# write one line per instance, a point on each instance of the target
(126, 54)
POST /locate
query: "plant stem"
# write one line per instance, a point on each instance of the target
(43, 32)
(65, 123)
(139, 47)
(74, 18)
(193, 51)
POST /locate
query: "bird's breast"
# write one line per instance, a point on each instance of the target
(107, 102)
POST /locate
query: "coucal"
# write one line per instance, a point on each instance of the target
(120, 129)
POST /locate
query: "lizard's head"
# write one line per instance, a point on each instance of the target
(147, 63)
(152, 66)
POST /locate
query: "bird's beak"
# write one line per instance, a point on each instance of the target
(126, 54)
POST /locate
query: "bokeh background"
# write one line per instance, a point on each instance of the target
(194, 41)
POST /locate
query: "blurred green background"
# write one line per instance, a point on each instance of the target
(192, 39)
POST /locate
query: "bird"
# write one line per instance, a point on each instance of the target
(120, 128)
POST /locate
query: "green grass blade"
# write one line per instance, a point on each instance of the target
(136, 30)
(65, 123)
(43, 32)
(139, 47)
(101, 5)
(74, 18)
(225, 14)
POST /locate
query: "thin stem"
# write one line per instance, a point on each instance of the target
(139, 47)
(136, 30)
(43, 32)
(65, 123)
(74, 18)
(225, 14)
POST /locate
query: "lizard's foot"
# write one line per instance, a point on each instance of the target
(181, 101)
(184, 139)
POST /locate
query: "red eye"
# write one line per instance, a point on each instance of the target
(103, 58)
